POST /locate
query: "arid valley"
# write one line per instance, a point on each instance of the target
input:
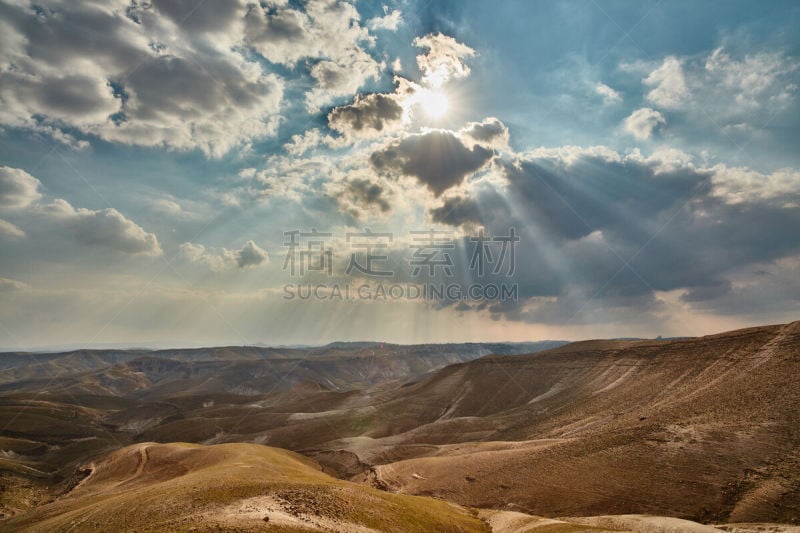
(592, 435)
(400, 266)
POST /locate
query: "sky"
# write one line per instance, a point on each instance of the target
(202, 172)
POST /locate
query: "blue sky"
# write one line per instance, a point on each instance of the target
(154, 155)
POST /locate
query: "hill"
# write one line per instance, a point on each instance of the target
(705, 429)
(244, 370)
(242, 487)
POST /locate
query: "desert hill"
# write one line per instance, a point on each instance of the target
(705, 429)
(243, 370)
(242, 487)
(249, 487)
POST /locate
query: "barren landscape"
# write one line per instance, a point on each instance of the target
(400, 266)
(591, 434)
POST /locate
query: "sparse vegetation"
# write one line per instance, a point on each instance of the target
(703, 429)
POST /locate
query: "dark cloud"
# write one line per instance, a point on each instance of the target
(490, 132)
(765, 291)
(710, 291)
(439, 159)
(368, 193)
(605, 231)
(457, 211)
(202, 16)
(250, 255)
(366, 116)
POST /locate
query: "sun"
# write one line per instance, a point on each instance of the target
(433, 103)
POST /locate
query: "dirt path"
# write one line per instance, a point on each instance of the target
(143, 457)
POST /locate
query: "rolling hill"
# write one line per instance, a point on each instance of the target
(242, 487)
(704, 429)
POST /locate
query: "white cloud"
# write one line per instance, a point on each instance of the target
(609, 95)
(738, 185)
(291, 177)
(197, 253)
(300, 143)
(326, 28)
(390, 21)
(341, 78)
(642, 122)
(18, 188)
(12, 285)
(166, 206)
(10, 230)
(327, 31)
(756, 79)
(443, 59)
(720, 88)
(249, 255)
(668, 84)
(172, 207)
(106, 228)
(135, 76)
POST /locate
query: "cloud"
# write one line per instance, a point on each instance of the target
(341, 78)
(284, 35)
(770, 288)
(198, 18)
(606, 234)
(12, 285)
(723, 90)
(757, 79)
(291, 177)
(491, 132)
(10, 230)
(610, 96)
(367, 116)
(327, 33)
(213, 106)
(642, 122)
(443, 59)
(390, 21)
(171, 207)
(105, 228)
(197, 253)
(710, 291)
(249, 255)
(739, 185)
(146, 75)
(457, 211)
(18, 188)
(438, 159)
(668, 84)
(164, 205)
(358, 195)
